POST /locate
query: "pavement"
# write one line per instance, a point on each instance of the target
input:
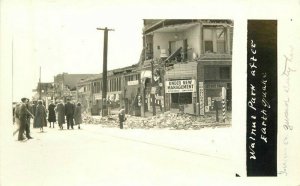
(95, 155)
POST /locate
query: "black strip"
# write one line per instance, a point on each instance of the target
(262, 98)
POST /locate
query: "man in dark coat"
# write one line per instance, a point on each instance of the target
(69, 112)
(22, 114)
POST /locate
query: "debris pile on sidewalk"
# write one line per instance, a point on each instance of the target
(165, 120)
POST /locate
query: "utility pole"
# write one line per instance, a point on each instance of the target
(40, 86)
(152, 94)
(104, 74)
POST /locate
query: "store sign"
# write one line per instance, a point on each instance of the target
(98, 96)
(201, 98)
(178, 86)
(136, 82)
(153, 90)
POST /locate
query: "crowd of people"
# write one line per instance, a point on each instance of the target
(24, 111)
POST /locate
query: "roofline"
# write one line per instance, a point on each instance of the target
(168, 22)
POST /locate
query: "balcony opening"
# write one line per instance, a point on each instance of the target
(214, 40)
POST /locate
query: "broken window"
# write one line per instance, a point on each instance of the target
(208, 40)
(214, 40)
(220, 40)
(149, 46)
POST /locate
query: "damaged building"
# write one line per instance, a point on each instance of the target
(186, 65)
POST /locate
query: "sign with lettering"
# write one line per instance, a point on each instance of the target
(261, 137)
(97, 96)
(178, 86)
(153, 90)
(130, 83)
(201, 98)
(209, 101)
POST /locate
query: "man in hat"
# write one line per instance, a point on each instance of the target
(23, 113)
(69, 112)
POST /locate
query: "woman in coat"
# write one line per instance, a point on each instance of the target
(40, 116)
(77, 115)
(60, 110)
(51, 115)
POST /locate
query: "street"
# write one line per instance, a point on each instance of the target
(109, 156)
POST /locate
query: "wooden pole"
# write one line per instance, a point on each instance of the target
(153, 95)
(104, 74)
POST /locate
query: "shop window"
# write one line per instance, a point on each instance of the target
(181, 98)
(224, 73)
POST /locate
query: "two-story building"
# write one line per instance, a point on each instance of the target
(191, 63)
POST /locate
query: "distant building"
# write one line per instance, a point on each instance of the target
(65, 85)
(46, 90)
(122, 89)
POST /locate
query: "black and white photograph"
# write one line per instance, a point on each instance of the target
(140, 93)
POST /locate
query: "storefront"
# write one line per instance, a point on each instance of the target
(181, 95)
(214, 85)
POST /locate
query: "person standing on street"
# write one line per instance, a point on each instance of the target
(51, 114)
(77, 115)
(69, 112)
(60, 110)
(122, 117)
(29, 115)
(40, 116)
(22, 115)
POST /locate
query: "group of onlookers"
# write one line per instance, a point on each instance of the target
(72, 112)
(24, 111)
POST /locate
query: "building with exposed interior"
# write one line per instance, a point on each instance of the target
(190, 60)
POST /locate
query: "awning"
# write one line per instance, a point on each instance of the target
(146, 74)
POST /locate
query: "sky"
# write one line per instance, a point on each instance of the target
(61, 37)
